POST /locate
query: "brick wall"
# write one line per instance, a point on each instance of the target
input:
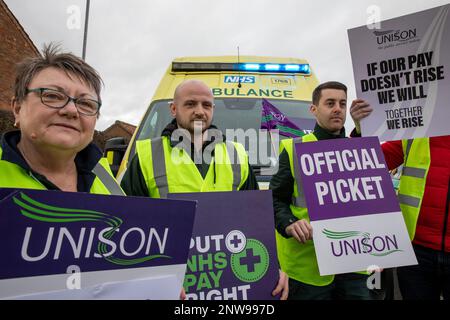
(6, 121)
(15, 45)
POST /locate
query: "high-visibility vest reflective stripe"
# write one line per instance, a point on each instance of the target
(166, 169)
(104, 177)
(296, 259)
(413, 179)
(14, 176)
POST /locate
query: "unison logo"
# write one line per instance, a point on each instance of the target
(389, 36)
(355, 242)
(130, 246)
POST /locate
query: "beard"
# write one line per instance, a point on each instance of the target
(196, 125)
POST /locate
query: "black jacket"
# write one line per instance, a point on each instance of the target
(85, 161)
(133, 182)
(282, 184)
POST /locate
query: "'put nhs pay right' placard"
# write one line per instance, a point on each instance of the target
(354, 212)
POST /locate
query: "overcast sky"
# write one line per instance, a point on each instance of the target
(131, 43)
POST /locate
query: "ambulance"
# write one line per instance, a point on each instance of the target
(239, 85)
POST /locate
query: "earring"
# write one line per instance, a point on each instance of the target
(16, 125)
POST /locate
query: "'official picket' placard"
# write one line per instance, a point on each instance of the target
(354, 212)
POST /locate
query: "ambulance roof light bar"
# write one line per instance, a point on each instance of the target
(255, 67)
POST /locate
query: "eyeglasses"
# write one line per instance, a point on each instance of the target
(58, 100)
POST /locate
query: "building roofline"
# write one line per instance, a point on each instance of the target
(19, 26)
(125, 126)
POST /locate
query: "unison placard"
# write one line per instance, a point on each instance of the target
(354, 212)
(84, 245)
(402, 70)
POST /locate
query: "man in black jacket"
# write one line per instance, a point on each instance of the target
(294, 238)
(192, 109)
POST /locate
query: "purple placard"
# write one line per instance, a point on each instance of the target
(44, 232)
(352, 200)
(227, 222)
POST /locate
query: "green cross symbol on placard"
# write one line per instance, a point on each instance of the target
(251, 264)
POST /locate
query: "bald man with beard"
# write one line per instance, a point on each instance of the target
(191, 155)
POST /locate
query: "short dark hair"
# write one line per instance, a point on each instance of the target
(317, 93)
(52, 57)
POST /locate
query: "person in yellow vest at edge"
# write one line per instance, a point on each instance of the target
(191, 156)
(294, 232)
(56, 104)
(424, 198)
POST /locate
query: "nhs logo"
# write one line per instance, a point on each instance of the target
(243, 79)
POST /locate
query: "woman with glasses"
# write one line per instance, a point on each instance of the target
(56, 105)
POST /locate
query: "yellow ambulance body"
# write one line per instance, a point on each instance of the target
(238, 84)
